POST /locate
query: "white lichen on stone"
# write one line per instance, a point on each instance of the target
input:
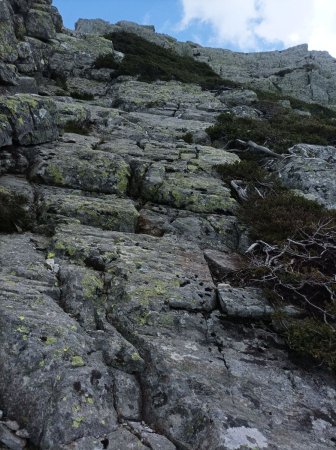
(237, 437)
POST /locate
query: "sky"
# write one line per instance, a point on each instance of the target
(240, 25)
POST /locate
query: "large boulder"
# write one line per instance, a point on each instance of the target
(311, 170)
(39, 24)
(33, 120)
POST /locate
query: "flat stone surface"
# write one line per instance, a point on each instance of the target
(249, 303)
(79, 167)
(107, 211)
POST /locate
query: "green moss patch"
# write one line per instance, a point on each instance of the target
(152, 62)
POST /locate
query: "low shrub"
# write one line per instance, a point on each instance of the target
(188, 138)
(279, 129)
(151, 62)
(81, 96)
(106, 62)
(77, 128)
(282, 214)
(313, 338)
(293, 258)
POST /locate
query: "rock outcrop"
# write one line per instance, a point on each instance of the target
(113, 332)
(298, 72)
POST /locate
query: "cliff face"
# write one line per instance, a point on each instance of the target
(114, 226)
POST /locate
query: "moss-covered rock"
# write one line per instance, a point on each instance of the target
(32, 118)
(77, 166)
(8, 41)
(107, 211)
(187, 191)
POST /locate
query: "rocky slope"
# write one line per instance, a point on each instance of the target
(113, 334)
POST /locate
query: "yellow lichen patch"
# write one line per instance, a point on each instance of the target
(77, 421)
(77, 361)
(135, 356)
(92, 286)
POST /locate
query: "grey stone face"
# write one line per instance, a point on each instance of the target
(40, 25)
(32, 119)
(311, 171)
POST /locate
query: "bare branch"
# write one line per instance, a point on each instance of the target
(252, 146)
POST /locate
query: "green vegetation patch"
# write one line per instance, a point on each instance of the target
(15, 213)
(278, 129)
(313, 338)
(317, 110)
(293, 258)
(281, 215)
(152, 62)
(81, 95)
(77, 128)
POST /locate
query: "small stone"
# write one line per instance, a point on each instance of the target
(23, 433)
(12, 425)
(10, 440)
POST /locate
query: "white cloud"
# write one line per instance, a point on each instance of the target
(247, 23)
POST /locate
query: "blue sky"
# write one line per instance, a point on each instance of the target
(241, 25)
(164, 14)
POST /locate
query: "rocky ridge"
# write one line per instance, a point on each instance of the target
(307, 75)
(113, 333)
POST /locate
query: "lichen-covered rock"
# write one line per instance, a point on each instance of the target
(106, 211)
(151, 299)
(246, 303)
(74, 56)
(311, 170)
(5, 131)
(32, 118)
(8, 42)
(156, 284)
(171, 98)
(113, 333)
(8, 74)
(85, 89)
(79, 167)
(207, 231)
(185, 191)
(238, 97)
(55, 381)
(70, 112)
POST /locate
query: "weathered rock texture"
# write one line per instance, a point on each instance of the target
(112, 332)
(298, 72)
